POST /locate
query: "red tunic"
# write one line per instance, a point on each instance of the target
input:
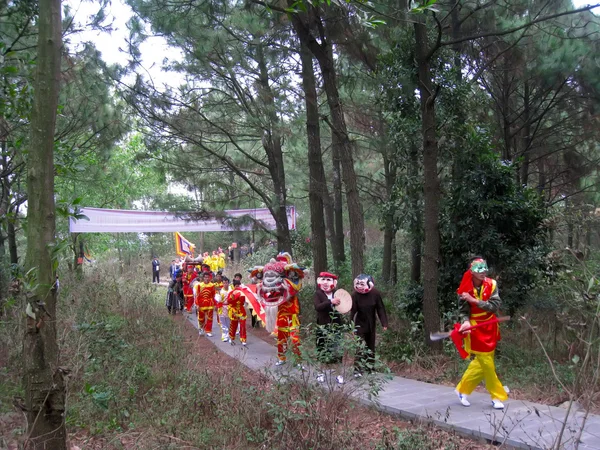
(235, 304)
(485, 338)
(186, 280)
(205, 295)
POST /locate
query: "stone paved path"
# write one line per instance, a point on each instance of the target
(522, 424)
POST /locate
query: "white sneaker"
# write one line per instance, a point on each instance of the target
(506, 389)
(209, 334)
(462, 398)
(321, 378)
(358, 375)
(280, 363)
(497, 404)
(224, 339)
(201, 332)
(340, 379)
(244, 344)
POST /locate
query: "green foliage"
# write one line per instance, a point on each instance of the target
(487, 213)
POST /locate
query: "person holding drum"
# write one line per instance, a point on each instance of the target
(366, 303)
(329, 320)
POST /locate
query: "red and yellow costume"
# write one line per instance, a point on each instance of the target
(188, 293)
(277, 291)
(218, 299)
(237, 313)
(481, 342)
(205, 301)
(288, 326)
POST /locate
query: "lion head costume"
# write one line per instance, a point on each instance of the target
(278, 282)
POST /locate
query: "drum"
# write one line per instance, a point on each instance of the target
(345, 301)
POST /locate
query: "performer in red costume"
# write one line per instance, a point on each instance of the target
(205, 294)
(479, 302)
(188, 293)
(280, 281)
(237, 313)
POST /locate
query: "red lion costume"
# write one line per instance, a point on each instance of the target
(277, 290)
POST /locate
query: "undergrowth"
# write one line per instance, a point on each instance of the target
(139, 380)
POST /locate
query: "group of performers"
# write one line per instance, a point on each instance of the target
(278, 284)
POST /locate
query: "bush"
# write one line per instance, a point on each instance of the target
(487, 213)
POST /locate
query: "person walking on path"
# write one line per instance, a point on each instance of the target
(237, 313)
(188, 293)
(155, 270)
(205, 295)
(366, 303)
(222, 308)
(479, 301)
(175, 294)
(329, 323)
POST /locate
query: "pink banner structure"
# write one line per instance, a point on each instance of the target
(131, 221)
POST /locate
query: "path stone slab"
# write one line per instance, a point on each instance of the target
(523, 425)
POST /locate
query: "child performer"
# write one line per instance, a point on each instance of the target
(222, 309)
(205, 301)
(237, 312)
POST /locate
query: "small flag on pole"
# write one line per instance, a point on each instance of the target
(183, 247)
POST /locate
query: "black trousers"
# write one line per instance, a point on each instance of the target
(365, 360)
(155, 276)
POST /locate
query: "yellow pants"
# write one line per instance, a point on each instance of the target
(482, 368)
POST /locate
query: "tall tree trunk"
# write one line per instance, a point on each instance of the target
(43, 378)
(315, 163)
(328, 205)
(394, 268)
(388, 239)
(389, 232)
(339, 250)
(416, 226)
(431, 313)
(323, 52)
(11, 234)
(273, 148)
(339, 129)
(525, 135)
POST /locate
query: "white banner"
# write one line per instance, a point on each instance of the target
(131, 221)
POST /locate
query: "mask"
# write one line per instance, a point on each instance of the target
(363, 283)
(326, 284)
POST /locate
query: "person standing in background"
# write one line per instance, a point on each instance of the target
(172, 269)
(156, 270)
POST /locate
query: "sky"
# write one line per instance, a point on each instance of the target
(112, 44)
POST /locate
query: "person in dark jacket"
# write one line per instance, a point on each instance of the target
(366, 303)
(155, 270)
(175, 294)
(329, 322)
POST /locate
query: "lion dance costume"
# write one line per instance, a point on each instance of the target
(279, 282)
